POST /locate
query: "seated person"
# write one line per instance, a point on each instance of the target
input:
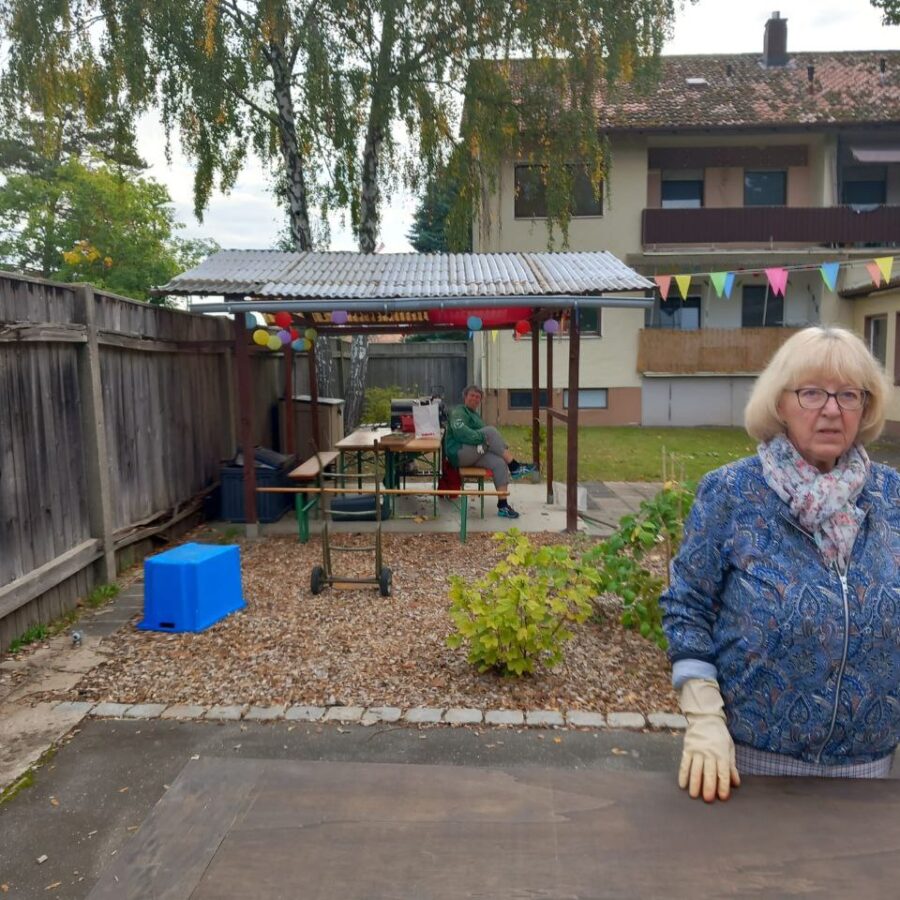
(469, 442)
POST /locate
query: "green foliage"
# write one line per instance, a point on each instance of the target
(428, 234)
(618, 559)
(33, 634)
(520, 613)
(890, 9)
(377, 402)
(101, 595)
(428, 337)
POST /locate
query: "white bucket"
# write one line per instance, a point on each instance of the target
(559, 496)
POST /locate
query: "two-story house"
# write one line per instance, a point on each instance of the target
(730, 164)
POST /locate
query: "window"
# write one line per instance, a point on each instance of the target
(522, 399)
(531, 193)
(864, 186)
(760, 307)
(673, 312)
(588, 398)
(765, 188)
(589, 322)
(876, 337)
(682, 189)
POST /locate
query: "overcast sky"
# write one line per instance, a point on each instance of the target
(248, 216)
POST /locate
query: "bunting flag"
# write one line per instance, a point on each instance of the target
(777, 280)
(723, 282)
(494, 334)
(663, 282)
(684, 284)
(885, 265)
(829, 273)
(875, 273)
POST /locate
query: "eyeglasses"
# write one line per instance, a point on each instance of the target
(850, 399)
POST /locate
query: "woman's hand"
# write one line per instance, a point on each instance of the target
(707, 757)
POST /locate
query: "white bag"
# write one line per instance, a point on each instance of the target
(426, 419)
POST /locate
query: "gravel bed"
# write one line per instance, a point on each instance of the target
(356, 648)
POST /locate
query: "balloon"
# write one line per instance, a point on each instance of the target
(283, 319)
(294, 334)
(474, 323)
(274, 342)
(250, 320)
(261, 337)
(551, 326)
(339, 317)
(284, 336)
(310, 334)
(299, 345)
(523, 326)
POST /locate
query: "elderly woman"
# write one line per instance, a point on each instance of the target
(783, 614)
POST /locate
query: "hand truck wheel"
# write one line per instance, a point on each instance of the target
(384, 582)
(317, 579)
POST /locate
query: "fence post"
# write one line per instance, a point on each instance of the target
(93, 427)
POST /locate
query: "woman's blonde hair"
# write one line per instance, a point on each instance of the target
(835, 352)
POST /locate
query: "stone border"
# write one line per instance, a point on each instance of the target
(373, 715)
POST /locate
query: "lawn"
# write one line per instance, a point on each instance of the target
(635, 454)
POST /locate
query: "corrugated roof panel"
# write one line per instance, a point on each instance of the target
(343, 275)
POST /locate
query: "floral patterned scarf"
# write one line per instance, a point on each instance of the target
(824, 503)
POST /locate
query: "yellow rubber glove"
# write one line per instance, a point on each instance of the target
(707, 757)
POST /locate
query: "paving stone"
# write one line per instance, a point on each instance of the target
(183, 711)
(504, 717)
(111, 710)
(344, 714)
(304, 713)
(81, 660)
(369, 718)
(13, 665)
(667, 720)
(462, 715)
(79, 707)
(44, 681)
(265, 713)
(625, 720)
(423, 715)
(544, 718)
(145, 711)
(225, 713)
(386, 713)
(578, 718)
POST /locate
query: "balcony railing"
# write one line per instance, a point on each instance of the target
(772, 225)
(732, 351)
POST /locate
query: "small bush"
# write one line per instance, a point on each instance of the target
(377, 402)
(33, 634)
(520, 613)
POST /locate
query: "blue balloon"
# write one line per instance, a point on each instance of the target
(250, 320)
(299, 345)
(474, 323)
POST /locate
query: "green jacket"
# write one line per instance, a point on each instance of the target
(463, 427)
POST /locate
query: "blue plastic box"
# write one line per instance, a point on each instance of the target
(190, 587)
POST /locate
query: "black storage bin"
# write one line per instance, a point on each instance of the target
(271, 471)
(357, 509)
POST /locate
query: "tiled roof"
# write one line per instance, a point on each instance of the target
(847, 88)
(268, 273)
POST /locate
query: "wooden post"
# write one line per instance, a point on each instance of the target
(314, 401)
(288, 409)
(549, 468)
(535, 394)
(93, 428)
(245, 418)
(572, 449)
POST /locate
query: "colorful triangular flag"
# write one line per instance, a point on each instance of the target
(885, 265)
(684, 284)
(663, 282)
(719, 280)
(875, 273)
(494, 334)
(829, 274)
(729, 284)
(777, 280)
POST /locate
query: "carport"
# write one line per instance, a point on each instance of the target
(407, 293)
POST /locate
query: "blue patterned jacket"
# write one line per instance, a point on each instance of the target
(808, 660)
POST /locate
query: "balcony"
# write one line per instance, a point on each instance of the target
(731, 351)
(828, 225)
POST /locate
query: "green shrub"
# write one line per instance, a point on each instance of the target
(377, 402)
(519, 614)
(30, 636)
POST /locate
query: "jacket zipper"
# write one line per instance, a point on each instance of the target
(842, 577)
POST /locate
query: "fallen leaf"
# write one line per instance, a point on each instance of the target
(42, 859)
(557, 740)
(54, 801)
(123, 790)
(619, 752)
(53, 887)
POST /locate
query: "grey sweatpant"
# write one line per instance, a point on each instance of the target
(492, 458)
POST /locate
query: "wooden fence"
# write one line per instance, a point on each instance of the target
(114, 418)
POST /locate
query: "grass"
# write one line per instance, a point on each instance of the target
(35, 633)
(635, 454)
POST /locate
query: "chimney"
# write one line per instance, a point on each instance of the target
(775, 42)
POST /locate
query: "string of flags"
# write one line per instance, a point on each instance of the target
(880, 270)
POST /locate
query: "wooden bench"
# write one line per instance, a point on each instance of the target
(475, 474)
(310, 470)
